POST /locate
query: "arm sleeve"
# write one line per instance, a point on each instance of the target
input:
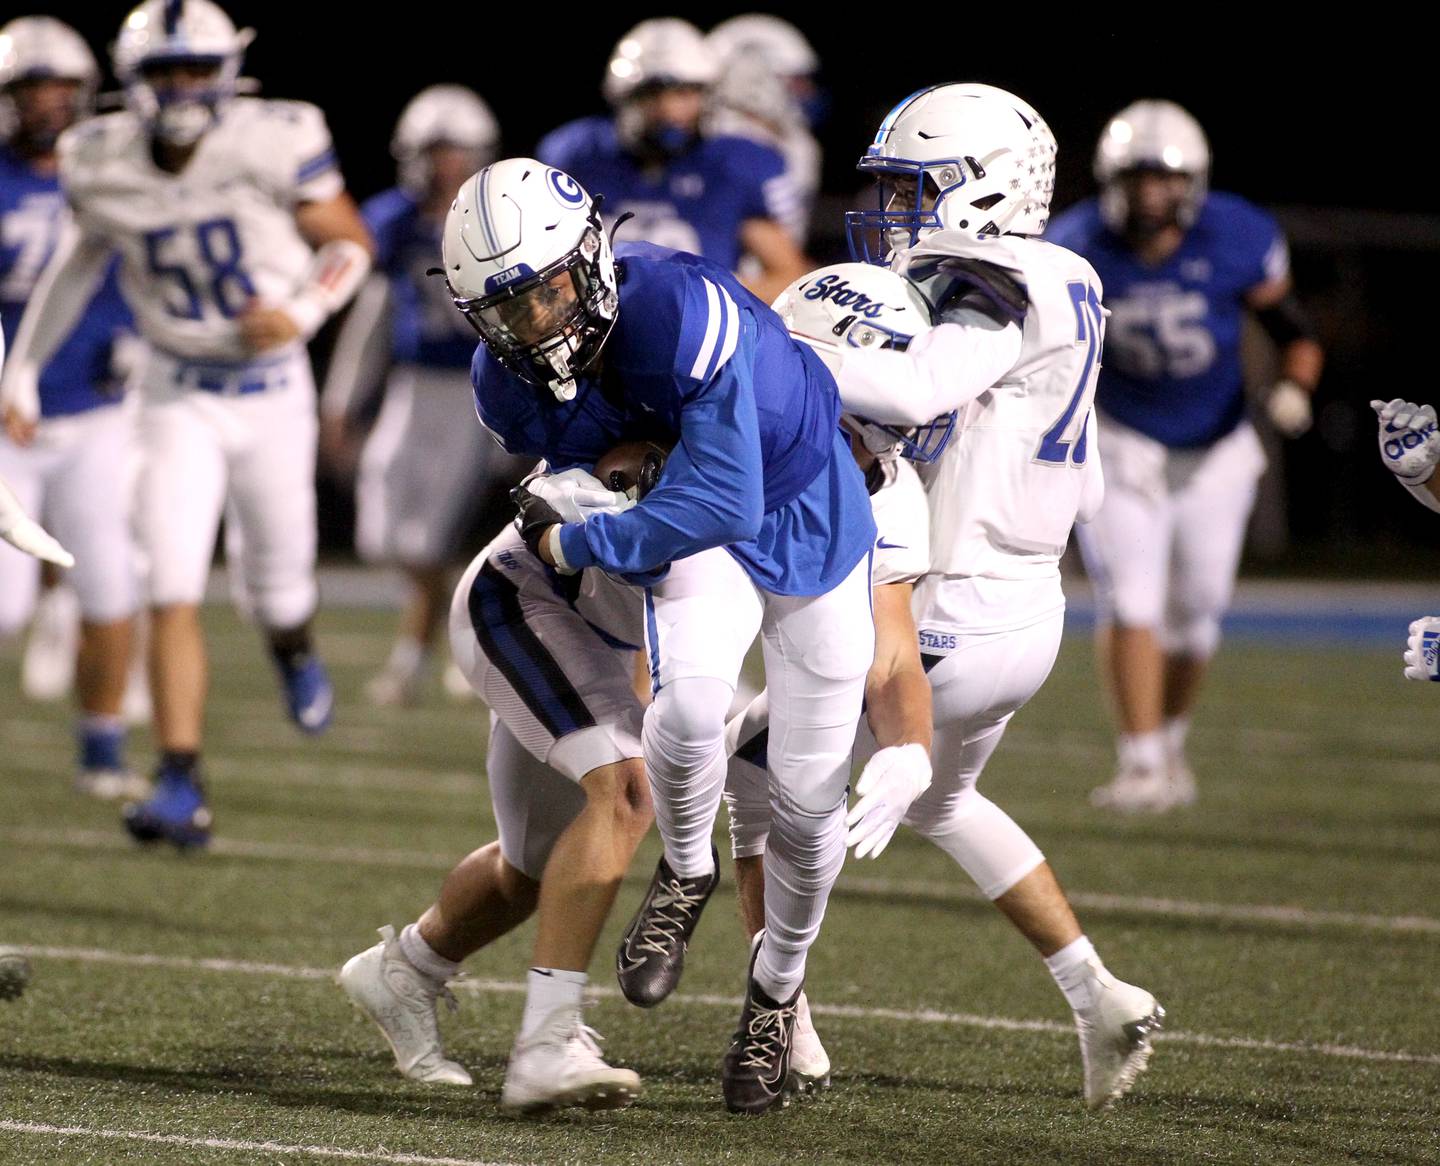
(67, 285)
(361, 353)
(711, 493)
(946, 368)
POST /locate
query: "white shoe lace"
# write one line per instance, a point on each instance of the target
(768, 1033)
(660, 928)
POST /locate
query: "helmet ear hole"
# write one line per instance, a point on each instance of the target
(984, 204)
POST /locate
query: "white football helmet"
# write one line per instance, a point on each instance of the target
(450, 115)
(962, 157)
(1151, 135)
(528, 264)
(860, 305)
(37, 47)
(784, 46)
(166, 32)
(664, 51)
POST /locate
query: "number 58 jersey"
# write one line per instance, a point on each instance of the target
(1023, 462)
(199, 245)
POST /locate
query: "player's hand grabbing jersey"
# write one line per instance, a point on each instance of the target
(201, 245)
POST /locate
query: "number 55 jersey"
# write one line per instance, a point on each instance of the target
(1172, 350)
(200, 245)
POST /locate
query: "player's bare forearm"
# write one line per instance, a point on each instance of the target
(897, 694)
(334, 218)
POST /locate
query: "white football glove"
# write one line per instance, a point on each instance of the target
(22, 532)
(891, 780)
(1409, 441)
(577, 495)
(1289, 409)
(1422, 653)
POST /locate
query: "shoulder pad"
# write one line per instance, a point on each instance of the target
(985, 272)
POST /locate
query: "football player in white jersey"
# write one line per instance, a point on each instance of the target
(427, 470)
(237, 241)
(965, 174)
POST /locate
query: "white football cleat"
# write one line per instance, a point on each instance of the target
(47, 670)
(809, 1063)
(113, 785)
(1114, 1034)
(560, 1065)
(401, 1000)
(1135, 790)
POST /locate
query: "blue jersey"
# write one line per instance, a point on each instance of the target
(696, 202)
(1172, 342)
(427, 328)
(79, 377)
(760, 467)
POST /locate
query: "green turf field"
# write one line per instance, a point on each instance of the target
(1290, 924)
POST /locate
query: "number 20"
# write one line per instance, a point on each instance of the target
(1055, 448)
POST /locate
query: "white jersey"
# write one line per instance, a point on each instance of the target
(1008, 488)
(902, 523)
(198, 246)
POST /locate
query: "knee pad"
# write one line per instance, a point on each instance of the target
(686, 721)
(286, 606)
(980, 836)
(808, 848)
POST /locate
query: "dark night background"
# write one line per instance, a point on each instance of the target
(1330, 128)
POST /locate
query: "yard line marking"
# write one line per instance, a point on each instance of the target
(841, 1011)
(857, 885)
(23, 1127)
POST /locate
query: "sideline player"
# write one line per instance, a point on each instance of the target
(1015, 353)
(1181, 264)
(713, 195)
(427, 470)
(237, 242)
(73, 467)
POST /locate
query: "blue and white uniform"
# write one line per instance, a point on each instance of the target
(427, 469)
(1181, 459)
(220, 426)
(696, 202)
(760, 523)
(77, 475)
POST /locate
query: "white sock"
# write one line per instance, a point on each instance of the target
(549, 989)
(1176, 730)
(1141, 750)
(407, 656)
(1071, 967)
(425, 958)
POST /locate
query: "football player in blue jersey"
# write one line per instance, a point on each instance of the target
(74, 465)
(760, 523)
(710, 194)
(427, 470)
(1181, 265)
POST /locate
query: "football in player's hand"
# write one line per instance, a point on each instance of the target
(633, 467)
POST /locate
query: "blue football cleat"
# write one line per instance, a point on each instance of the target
(177, 812)
(309, 696)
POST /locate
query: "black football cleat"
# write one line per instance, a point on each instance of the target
(757, 1063)
(652, 953)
